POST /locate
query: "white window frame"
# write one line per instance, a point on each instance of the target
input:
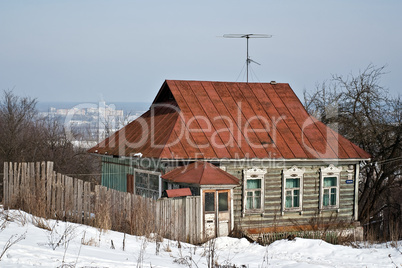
(252, 174)
(330, 171)
(293, 173)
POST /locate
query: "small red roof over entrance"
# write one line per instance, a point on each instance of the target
(200, 173)
(178, 192)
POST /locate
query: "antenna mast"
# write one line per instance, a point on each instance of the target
(248, 36)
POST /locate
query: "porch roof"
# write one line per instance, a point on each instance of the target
(178, 192)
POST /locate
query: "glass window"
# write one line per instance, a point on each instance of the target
(253, 184)
(147, 184)
(154, 182)
(210, 202)
(253, 190)
(329, 191)
(253, 194)
(292, 190)
(223, 201)
(330, 187)
(329, 181)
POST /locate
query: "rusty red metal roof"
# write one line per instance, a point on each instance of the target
(200, 173)
(209, 120)
(178, 192)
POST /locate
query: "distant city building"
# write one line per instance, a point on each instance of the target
(90, 123)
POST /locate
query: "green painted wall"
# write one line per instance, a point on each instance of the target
(114, 173)
(115, 170)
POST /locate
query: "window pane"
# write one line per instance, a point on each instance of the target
(333, 196)
(293, 183)
(329, 181)
(254, 184)
(210, 201)
(325, 198)
(257, 202)
(223, 201)
(296, 198)
(141, 180)
(154, 182)
(249, 202)
(288, 202)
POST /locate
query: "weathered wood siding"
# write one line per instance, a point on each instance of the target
(180, 219)
(272, 219)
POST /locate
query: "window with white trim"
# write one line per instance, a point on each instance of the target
(329, 187)
(292, 189)
(253, 190)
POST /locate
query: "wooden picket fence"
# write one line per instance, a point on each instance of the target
(180, 219)
(37, 189)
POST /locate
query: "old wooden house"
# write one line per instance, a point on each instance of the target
(252, 153)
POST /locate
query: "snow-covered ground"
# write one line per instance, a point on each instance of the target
(73, 245)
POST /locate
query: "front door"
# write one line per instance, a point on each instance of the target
(217, 213)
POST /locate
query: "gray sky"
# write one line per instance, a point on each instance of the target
(123, 50)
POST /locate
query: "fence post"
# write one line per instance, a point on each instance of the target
(58, 195)
(5, 186)
(87, 202)
(49, 173)
(10, 184)
(80, 186)
(16, 186)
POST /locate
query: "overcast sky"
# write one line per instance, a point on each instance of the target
(124, 50)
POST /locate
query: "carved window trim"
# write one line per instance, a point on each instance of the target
(253, 174)
(327, 172)
(292, 173)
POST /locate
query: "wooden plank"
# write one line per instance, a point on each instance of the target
(108, 213)
(37, 179)
(42, 188)
(75, 198)
(17, 172)
(111, 201)
(86, 202)
(67, 197)
(97, 199)
(53, 193)
(79, 200)
(49, 181)
(127, 207)
(31, 186)
(63, 196)
(58, 194)
(32, 181)
(6, 186)
(23, 188)
(11, 184)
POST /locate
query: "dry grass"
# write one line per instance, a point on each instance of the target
(41, 223)
(89, 242)
(102, 217)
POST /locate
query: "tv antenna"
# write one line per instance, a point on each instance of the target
(248, 36)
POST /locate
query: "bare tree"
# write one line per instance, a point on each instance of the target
(26, 137)
(372, 119)
(16, 117)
